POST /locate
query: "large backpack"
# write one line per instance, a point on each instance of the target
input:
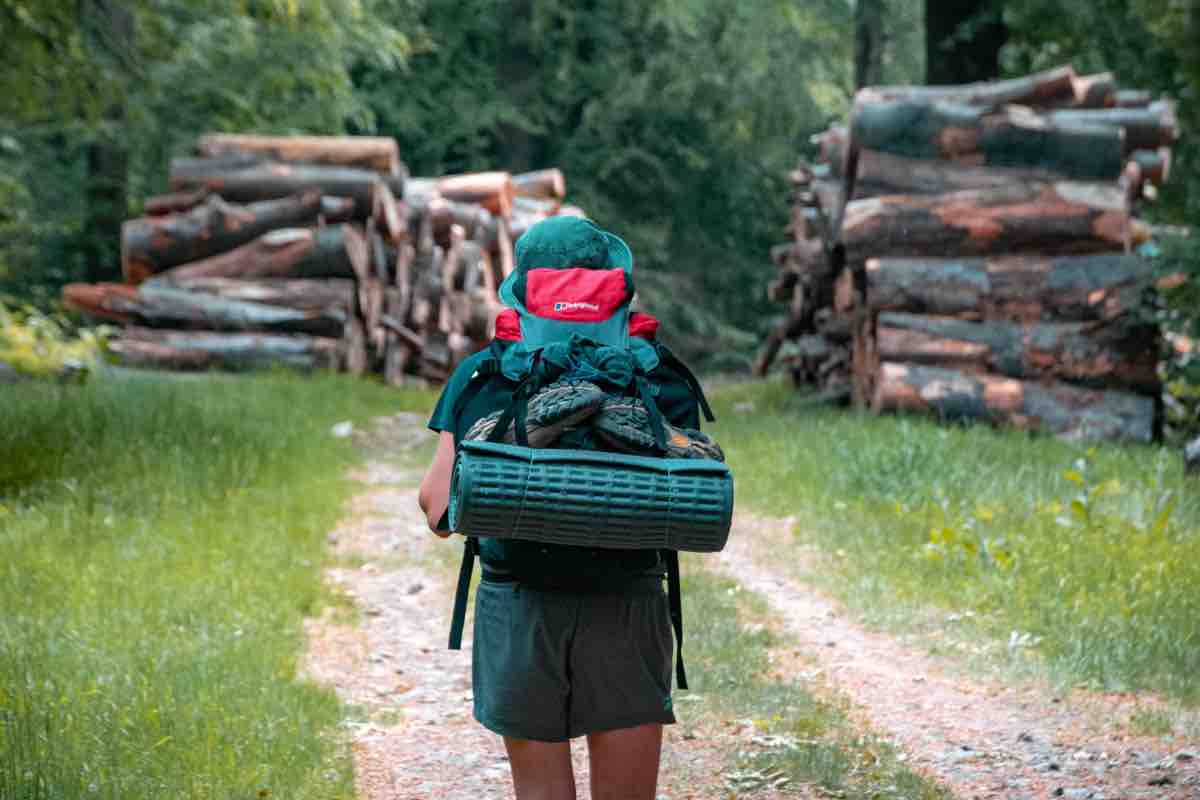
(575, 322)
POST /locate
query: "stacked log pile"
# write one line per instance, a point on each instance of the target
(970, 251)
(310, 251)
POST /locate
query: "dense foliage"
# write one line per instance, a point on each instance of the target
(675, 121)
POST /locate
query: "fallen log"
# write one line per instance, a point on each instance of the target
(166, 306)
(1024, 288)
(300, 294)
(173, 203)
(336, 251)
(1154, 165)
(245, 179)
(1095, 91)
(541, 183)
(1040, 146)
(1145, 128)
(1054, 218)
(1115, 354)
(377, 153)
(194, 350)
(1047, 88)
(152, 244)
(1067, 411)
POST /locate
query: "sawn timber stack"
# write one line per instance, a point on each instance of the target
(316, 252)
(973, 252)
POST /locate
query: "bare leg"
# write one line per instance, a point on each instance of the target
(541, 770)
(624, 763)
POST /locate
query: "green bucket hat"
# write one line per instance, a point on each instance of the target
(563, 242)
(569, 243)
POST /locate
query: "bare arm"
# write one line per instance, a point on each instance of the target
(434, 495)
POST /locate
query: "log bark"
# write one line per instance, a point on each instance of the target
(162, 305)
(244, 179)
(492, 190)
(174, 203)
(300, 294)
(878, 174)
(1014, 138)
(1040, 89)
(1145, 128)
(1057, 218)
(1019, 288)
(193, 350)
(541, 183)
(377, 153)
(1116, 354)
(338, 251)
(1095, 91)
(150, 245)
(1068, 411)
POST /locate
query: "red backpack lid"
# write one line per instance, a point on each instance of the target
(508, 325)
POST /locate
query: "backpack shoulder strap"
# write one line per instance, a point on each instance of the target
(673, 362)
(675, 603)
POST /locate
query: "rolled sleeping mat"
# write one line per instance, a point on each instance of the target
(589, 498)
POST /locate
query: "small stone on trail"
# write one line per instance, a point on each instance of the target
(1024, 736)
(1163, 780)
(415, 588)
(342, 429)
(743, 408)
(1185, 755)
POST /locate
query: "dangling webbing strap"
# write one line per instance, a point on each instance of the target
(458, 619)
(675, 602)
(516, 411)
(656, 417)
(689, 377)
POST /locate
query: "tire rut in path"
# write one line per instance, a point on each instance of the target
(978, 738)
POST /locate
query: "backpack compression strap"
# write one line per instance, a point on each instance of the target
(675, 602)
(459, 618)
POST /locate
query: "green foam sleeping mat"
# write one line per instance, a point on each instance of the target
(590, 498)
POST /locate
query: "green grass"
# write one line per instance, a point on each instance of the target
(798, 739)
(162, 539)
(1085, 559)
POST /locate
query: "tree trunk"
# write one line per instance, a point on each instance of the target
(245, 179)
(1056, 408)
(1023, 288)
(1056, 218)
(194, 350)
(868, 43)
(338, 251)
(152, 244)
(1117, 354)
(377, 153)
(971, 137)
(963, 40)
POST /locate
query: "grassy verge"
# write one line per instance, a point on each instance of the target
(798, 740)
(162, 540)
(1084, 560)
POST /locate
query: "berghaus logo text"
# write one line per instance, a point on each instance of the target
(563, 306)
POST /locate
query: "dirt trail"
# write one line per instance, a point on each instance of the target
(978, 738)
(413, 735)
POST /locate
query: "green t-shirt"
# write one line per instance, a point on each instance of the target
(534, 562)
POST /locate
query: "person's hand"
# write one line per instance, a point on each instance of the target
(434, 495)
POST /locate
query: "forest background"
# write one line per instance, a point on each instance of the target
(675, 121)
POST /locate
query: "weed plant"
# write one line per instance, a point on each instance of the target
(794, 739)
(162, 539)
(1081, 558)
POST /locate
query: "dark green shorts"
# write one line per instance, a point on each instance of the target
(553, 665)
